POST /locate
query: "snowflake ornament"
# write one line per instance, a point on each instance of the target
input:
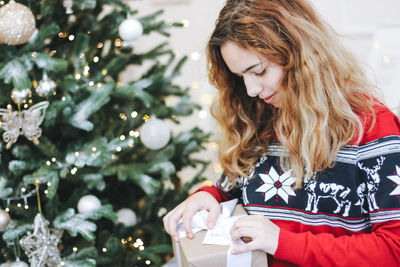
(275, 184)
(396, 178)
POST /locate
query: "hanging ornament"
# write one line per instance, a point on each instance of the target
(26, 123)
(17, 23)
(19, 263)
(88, 203)
(68, 6)
(155, 134)
(21, 96)
(4, 219)
(127, 217)
(130, 29)
(46, 86)
(41, 245)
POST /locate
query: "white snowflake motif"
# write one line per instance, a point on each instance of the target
(396, 178)
(275, 184)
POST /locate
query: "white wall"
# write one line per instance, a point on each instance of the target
(371, 29)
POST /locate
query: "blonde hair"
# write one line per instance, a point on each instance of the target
(323, 89)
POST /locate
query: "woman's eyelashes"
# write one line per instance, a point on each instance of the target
(261, 73)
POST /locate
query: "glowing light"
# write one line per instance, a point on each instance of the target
(148, 262)
(75, 249)
(206, 99)
(104, 72)
(134, 114)
(34, 54)
(23, 189)
(46, 191)
(48, 184)
(141, 248)
(82, 55)
(146, 118)
(53, 159)
(76, 154)
(123, 241)
(91, 83)
(104, 250)
(96, 59)
(63, 98)
(94, 149)
(19, 205)
(123, 116)
(100, 45)
(118, 42)
(207, 183)
(118, 149)
(195, 56)
(203, 114)
(26, 207)
(48, 163)
(77, 76)
(74, 170)
(71, 37)
(195, 85)
(386, 59)
(7, 209)
(99, 85)
(185, 23)
(26, 106)
(122, 137)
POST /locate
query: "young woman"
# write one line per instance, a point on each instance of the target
(307, 145)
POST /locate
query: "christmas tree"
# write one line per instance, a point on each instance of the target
(89, 165)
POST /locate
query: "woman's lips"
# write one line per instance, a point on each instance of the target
(269, 99)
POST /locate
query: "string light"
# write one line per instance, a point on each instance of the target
(123, 116)
(99, 85)
(104, 250)
(94, 149)
(77, 154)
(48, 184)
(148, 262)
(185, 23)
(74, 170)
(34, 54)
(134, 114)
(77, 76)
(195, 85)
(206, 99)
(75, 249)
(386, 59)
(195, 56)
(122, 137)
(26, 106)
(23, 189)
(48, 163)
(63, 98)
(96, 59)
(53, 159)
(91, 83)
(203, 114)
(118, 149)
(100, 45)
(146, 118)
(71, 37)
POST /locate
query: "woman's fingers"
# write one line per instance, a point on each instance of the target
(213, 216)
(238, 232)
(243, 248)
(187, 221)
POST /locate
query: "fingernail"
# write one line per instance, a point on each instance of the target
(210, 225)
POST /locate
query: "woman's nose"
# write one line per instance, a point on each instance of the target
(253, 88)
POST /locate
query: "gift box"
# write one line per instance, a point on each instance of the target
(193, 253)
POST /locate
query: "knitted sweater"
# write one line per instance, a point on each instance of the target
(348, 216)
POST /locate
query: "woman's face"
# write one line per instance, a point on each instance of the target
(261, 77)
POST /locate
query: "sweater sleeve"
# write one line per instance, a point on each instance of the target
(381, 247)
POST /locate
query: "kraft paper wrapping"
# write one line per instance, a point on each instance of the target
(195, 254)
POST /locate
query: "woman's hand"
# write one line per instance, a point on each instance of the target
(262, 231)
(186, 210)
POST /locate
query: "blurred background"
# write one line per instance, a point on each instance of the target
(370, 29)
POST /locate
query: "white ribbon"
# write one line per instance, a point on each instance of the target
(219, 235)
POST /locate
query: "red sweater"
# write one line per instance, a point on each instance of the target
(348, 216)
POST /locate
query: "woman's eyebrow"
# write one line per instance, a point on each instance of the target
(249, 68)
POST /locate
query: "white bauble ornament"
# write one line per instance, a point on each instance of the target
(21, 96)
(19, 263)
(17, 23)
(155, 134)
(127, 217)
(88, 203)
(130, 29)
(46, 86)
(4, 219)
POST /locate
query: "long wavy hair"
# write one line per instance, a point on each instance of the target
(323, 90)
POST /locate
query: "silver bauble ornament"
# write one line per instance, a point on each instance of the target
(46, 86)
(4, 219)
(19, 263)
(155, 134)
(88, 203)
(130, 29)
(21, 96)
(127, 217)
(17, 23)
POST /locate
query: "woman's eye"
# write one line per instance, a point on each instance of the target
(261, 73)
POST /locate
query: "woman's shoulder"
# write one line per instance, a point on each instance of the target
(386, 124)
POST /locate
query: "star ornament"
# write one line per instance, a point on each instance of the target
(41, 245)
(396, 178)
(275, 184)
